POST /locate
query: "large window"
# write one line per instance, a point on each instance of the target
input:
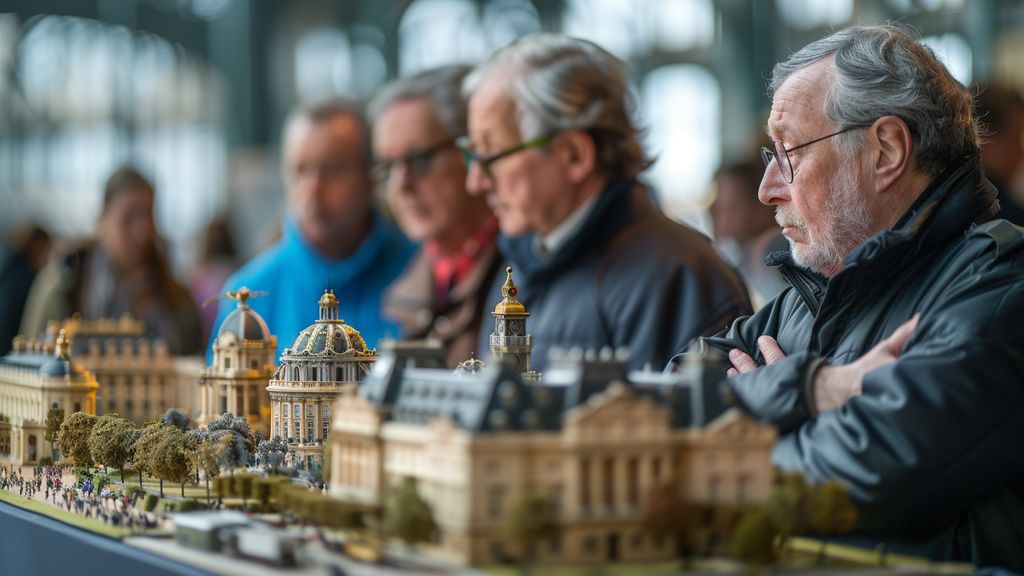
(681, 106)
(84, 97)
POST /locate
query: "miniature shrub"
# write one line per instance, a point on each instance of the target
(190, 505)
(150, 504)
(45, 461)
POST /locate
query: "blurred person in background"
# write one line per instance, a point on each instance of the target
(121, 272)
(555, 150)
(441, 294)
(745, 230)
(1000, 110)
(22, 256)
(217, 261)
(332, 236)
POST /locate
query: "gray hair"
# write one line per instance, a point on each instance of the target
(441, 86)
(563, 83)
(887, 71)
(324, 110)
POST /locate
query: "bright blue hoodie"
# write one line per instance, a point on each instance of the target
(295, 275)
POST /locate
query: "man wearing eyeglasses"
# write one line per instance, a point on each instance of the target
(332, 236)
(440, 295)
(553, 148)
(894, 362)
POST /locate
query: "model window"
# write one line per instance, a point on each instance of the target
(297, 413)
(326, 430)
(313, 374)
(298, 432)
(227, 363)
(310, 410)
(325, 410)
(309, 431)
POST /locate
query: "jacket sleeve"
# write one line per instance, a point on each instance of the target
(939, 427)
(776, 394)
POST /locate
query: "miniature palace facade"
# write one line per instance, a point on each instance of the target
(35, 377)
(327, 360)
(243, 363)
(592, 439)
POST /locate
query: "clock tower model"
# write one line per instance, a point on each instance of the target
(509, 342)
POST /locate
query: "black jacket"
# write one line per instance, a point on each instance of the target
(931, 449)
(630, 277)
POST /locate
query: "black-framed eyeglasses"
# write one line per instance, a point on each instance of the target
(782, 153)
(418, 162)
(472, 155)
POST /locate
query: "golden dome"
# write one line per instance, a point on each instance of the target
(509, 305)
(329, 335)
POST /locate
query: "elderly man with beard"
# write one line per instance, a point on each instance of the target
(893, 362)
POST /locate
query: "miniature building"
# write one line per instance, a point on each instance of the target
(35, 377)
(243, 363)
(510, 342)
(136, 373)
(591, 439)
(327, 360)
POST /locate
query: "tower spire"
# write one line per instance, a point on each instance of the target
(510, 343)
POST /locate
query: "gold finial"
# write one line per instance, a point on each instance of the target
(329, 306)
(63, 345)
(241, 296)
(329, 299)
(509, 305)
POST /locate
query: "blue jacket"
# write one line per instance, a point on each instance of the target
(294, 276)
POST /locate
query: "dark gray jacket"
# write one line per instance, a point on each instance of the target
(931, 449)
(630, 277)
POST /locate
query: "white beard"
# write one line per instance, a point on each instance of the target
(848, 227)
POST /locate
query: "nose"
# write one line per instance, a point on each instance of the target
(773, 189)
(477, 181)
(402, 177)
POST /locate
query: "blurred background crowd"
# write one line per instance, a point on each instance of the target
(193, 97)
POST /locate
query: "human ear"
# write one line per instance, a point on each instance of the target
(893, 146)
(577, 151)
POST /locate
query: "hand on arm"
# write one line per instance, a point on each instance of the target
(832, 385)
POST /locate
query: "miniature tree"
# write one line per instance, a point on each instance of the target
(668, 514)
(789, 506)
(832, 513)
(177, 418)
(532, 519)
(73, 437)
(754, 539)
(111, 441)
(54, 418)
(170, 461)
(207, 458)
(272, 455)
(243, 444)
(5, 435)
(407, 517)
(145, 447)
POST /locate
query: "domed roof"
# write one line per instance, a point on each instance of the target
(243, 321)
(61, 364)
(329, 335)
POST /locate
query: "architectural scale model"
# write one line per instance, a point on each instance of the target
(592, 439)
(327, 360)
(243, 363)
(35, 377)
(138, 377)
